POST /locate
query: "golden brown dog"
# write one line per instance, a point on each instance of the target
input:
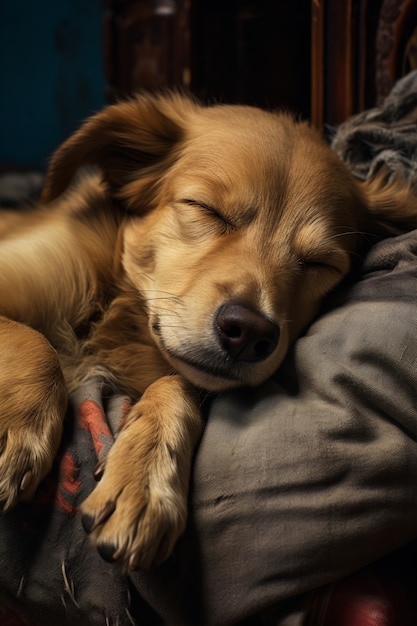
(199, 250)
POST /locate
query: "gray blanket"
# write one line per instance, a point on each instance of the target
(384, 136)
(295, 484)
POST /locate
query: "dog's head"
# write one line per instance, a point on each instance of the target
(241, 221)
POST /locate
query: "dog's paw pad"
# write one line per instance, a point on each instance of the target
(88, 523)
(107, 552)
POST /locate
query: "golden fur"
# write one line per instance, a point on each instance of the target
(189, 259)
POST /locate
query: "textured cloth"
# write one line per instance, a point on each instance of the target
(383, 137)
(46, 561)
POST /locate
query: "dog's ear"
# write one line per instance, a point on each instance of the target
(132, 142)
(392, 205)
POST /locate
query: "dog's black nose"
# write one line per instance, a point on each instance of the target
(245, 334)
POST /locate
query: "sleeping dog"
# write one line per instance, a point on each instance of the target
(188, 259)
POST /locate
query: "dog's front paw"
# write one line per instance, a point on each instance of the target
(138, 509)
(25, 459)
(33, 402)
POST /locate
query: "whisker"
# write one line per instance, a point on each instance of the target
(171, 326)
(162, 291)
(159, 305)
(166, 313)
(345, 233)
(170, 297)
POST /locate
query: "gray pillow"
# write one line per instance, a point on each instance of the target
(313, 475)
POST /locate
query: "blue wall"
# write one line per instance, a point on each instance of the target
(51, 74)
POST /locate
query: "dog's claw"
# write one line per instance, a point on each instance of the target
(108, 510)
(99, 471)
(26, 481)
(90, 523)
(134, 560)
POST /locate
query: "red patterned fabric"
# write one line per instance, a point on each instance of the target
(46, 562)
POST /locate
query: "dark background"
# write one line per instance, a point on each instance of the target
(51, 74)
(53, 56)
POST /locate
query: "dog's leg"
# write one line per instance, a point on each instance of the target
(33, 402)
(138, 509)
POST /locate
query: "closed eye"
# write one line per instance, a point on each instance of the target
(211, 212)
(320, 264)
(317, 264)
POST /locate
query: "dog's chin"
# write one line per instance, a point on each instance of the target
(217, 374)
(202, 376)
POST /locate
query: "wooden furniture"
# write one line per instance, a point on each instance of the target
(146, 44)
(359, 49)
(325, 59)
(253, 51)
